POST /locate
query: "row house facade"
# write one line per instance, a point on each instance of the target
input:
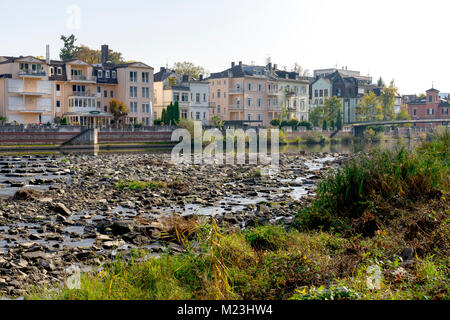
(430, 107)
(50, 90)
(257, 94)
(347, 85)
(192, 95)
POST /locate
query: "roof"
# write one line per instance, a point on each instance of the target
(432, 90)
(162, 75)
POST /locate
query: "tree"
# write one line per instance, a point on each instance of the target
(69, 51)
(118, 109)
(331, 108)
(421, 96)
(387, 99)
(217, 122)
(91, 56)
(339, 120)
(316, 115)
(275, 122)
(188, 68)
(176, 109)
(300, 70)
(164, 117)
(370, 108)
(324, 125)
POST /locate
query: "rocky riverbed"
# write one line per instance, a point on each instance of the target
(60, 212)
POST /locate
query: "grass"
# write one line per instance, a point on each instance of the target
(139, 185)
(348, 244)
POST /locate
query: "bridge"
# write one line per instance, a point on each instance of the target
(358, 127)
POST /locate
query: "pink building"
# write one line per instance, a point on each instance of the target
(430, 107)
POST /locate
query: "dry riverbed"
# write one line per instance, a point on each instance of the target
(57, 212)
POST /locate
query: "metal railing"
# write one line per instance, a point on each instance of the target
(78, 77)
(32, 73)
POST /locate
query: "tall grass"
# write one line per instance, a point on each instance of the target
(379, 179)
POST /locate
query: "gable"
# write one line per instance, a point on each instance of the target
(78, 63)
(28, 59)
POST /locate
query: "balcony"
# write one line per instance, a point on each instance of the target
(236, 107)
(82, 78)
(273, 93)
(275, 108)
(83, 94)
(235, 91)
(32, 73)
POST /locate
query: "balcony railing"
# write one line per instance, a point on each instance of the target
(236, 91)
(33, 73)
(236, 107)
(77, 77)
(272, 92)
(275, 107)
(84, 94)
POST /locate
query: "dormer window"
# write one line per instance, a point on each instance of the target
(107, 74)
(100, 73)
(114, 75)
(52, 71)
(59, 71)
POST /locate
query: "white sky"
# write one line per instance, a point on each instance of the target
(395, 39)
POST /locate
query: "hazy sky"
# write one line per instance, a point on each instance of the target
(395, 39)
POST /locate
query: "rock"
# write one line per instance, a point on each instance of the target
(407, 254)
(121, 227)
(113, 244)
(36, 254)
(27, 194)
(61, 209)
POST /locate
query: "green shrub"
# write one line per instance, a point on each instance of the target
(266, 237)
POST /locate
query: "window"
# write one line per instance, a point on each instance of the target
(218, 109)
(98, 105)
(249, 102)
(58, 87)
(99, 90)
(176, 96)
(260, 102)
(197, 97)
(145, 108)
(105, 93)
(218, 93)
(114, 74)
(184, 97)
(107, 74)
(112, 94)
(145, 77)
(197, 116)
(325, 93)
(105, 108)
(58, 103)
(133, 107)
(260, 117)
(59, 71)
(52, 71)
(146, 92)
(133, 92)
(249, 117)
(133, 76)
(316, 93)
(204, 97)
(430, 98)
(184, 114)
(260, 87)
(100, 73)
(321, 92)
(250, 87)
(338, 92)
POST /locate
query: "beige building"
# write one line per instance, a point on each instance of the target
(249, 94)
(136, 90)
(41, 91)
(26, 94)
(192, 95)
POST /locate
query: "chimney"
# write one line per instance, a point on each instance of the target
(232, 64)
(240, 63)
(104, 54)
(201, 77)
(275, 66)
(47, 54)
